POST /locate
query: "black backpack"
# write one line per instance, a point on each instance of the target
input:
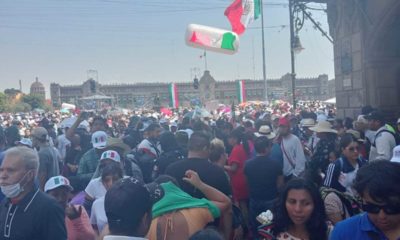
(352, 204)
(395, 135)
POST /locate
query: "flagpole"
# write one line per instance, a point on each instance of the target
(263, 50)
(205, 60)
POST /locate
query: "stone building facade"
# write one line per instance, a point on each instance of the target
(366, 37)
(145, 94)
(37, 88)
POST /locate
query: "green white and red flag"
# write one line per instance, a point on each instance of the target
(241, 91)
(241, 13)
(173, 93)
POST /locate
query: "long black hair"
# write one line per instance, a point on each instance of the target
(239, 134)
(316, 225)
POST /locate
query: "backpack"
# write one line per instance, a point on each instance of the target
(352, 204)
(395, 135)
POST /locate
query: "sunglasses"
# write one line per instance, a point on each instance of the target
(375, 209)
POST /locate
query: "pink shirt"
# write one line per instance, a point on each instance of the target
(80, 228)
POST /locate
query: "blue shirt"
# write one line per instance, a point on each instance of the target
(356, 228)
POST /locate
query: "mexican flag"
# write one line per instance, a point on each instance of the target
(173, 92)
(241, 91)
(243, 12)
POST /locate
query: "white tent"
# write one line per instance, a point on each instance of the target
(331, 101)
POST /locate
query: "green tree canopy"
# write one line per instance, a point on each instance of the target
(35, 101)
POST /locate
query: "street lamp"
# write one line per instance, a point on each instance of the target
(296, 15)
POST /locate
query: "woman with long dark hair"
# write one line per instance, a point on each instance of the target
(300, 213)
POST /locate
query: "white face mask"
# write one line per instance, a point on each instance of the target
(13, 190)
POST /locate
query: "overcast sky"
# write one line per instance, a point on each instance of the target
(130, 41)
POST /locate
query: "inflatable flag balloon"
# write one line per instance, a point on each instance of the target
(212, 39)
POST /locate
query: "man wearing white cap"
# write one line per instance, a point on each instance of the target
(76, 219)
(396, 154)
(90, 160)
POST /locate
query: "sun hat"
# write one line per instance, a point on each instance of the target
(99, 140)
(25, 141)
(307, 122)
(113, 143)
(266, 131)
(396, 154)
(40, 133)
(57, 181)
(323, 127)
(356, 135)
(111, 154)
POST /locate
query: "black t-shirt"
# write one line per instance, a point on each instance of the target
(262, 174)
(209, 173)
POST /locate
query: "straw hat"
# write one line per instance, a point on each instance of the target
(265, 131)
(323, 127)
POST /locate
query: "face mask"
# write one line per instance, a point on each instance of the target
(13, 190)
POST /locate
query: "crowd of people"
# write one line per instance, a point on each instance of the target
(255, 173)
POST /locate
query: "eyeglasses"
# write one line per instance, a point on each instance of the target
(375, 209)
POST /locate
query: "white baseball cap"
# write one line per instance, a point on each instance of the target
(110, 154)
(396, 154)
(99, 140)
(57, 181)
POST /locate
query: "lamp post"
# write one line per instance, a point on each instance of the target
(263, 51)
(296, 18)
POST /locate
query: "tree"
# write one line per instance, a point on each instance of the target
(11, 92)
(35, 101)
(3, 102)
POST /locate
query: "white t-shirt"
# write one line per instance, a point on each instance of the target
(95, 189)
(98, 216)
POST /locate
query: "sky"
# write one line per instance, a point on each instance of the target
(131, 41)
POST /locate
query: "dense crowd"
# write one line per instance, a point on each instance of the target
(251, 172)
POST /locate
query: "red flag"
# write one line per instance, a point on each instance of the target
(234, 14)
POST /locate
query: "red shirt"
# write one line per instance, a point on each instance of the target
(238, 179)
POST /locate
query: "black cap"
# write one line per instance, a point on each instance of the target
(375, 115)
(129, 199)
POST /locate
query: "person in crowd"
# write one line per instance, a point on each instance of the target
(384, 140)
(242, 150)
(89, 161)
(300, 213)
(218, 154)
(294, 159)
(150, 150)
(107, 157)
(199, 146)
(341, 173)
(128, 207)
(110, 175)
(63, 143)
(76, 219)
(97, 187)
(378, 186)
(264, 177)
(27, 212)
(171, 152)
(325, 146)
(72, 157)
(210, 174)
(362, 147)
(49, 157)
(338, 125)
(178, 210)
(308, 137)
(12, 135)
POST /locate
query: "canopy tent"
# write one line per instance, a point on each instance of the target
(331, 101)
